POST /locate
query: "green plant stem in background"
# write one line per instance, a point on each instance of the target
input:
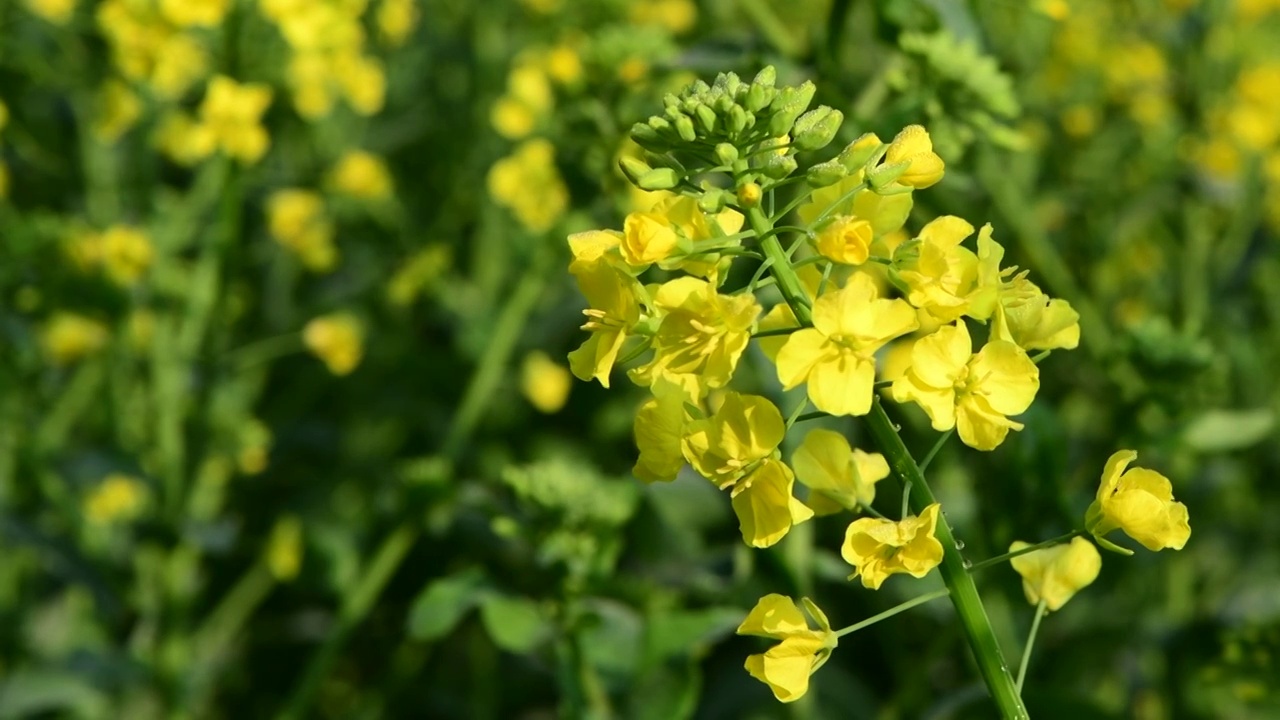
(774, 30)
(1028, 549)
(1031, 643)
(964, 593)
(893, 611)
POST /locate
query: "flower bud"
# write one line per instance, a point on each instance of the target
(858, 152)
(706, 117)
(789, 105)
(749, 195)
(648, 138)
(684, 126)
(816, 128)
(824, 174)
(778, 167)
(659, 179)
(713, 201)
(726, 153)
(633, 169)
(886, 175)
(739, 120)
(766, 77)
(758, 97)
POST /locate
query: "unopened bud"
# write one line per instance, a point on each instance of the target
(816, 128)
(706, 117)
(659, 179)
(778, 167)
(648, 138)
(824, 174)
(726, 153)
(857, 153)
(749, 195)
(684, 126)
(633, 169)
(886, 174)
(713, 200)
(738, 120)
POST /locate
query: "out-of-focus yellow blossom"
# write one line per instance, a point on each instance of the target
(140, 329)
(126, 253)
(57, 12)
(1139, 502)
(328, 61)
(659, 432)
(914, 147)
(194, 13)
(544, 382)
(284, 548)
(528, 183)
(1056, 9)
(973, 393)
(68, 337)
(528, 99)
(736, 449)
(118, 109)
(702, 335)
(564, 64)
(1054, 574)
(397, 20)
(231, 114)
(361, 175)
(148, 48)
(297, 220)
(633, 70)
(614, 308)
(878, 548)
(118, 498)
(675, 16)
(786, 667)
(1079, 121)
(1023, 314)
(847, 240)
(418, 274)
(1250, 10)
(939, 273)
(839, 477)
(511, 118)
(4, 181)
(546, 7)
(337, 339)
(837, 355)
(255, 448)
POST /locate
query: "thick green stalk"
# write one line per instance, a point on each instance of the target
(964, 593)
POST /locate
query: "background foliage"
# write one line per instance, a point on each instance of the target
(308, 453)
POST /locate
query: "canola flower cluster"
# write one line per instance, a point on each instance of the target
(861, 283)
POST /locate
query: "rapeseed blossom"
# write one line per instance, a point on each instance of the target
(660, 429)
(337, 339)
(284, 548)
(939, 273)
(614, 305)
(68, 337)
(58, 12)
(786, 667)
(847, 240)
(297, 220)
(528, 183)
(361, 175)
(702, 335)
(118, 498)
(1139, 502)
(913, 147)
(1055, 574)
(544, 382)
(838, 476)
(878, 548)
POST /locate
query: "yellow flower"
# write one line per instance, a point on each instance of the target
(419, 274)
(284, 548)
(702, 334)
(337, 339)
(913, 147)
(786, 667)
(397, 20)
(544, 382)
(1139, 502)
(660, 430)
(735, 448)
(118, 498)
(118, 109)
(675, 16)
(200, 13)
(363, 82)
(361, 175)
(613, 311)
(297, 220)
(511, 118)
(837, 355)
(232, 113)
(695, 229)
(1024, 315)
(938, 272)
(973, 393)
(839, 477)
(528, 183)
(255, 447)
(847, 240)
(57, 12)
(1054, 574)
(886, 213)
(878, 548)
(126, 253)
(647, 238)
(563, 64)
(68, 337)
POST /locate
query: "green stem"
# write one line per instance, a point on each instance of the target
(796, 414)
(893, 611)
(964, 593)
(1028, 549)
(1031, 643)
(812, 416)
(773, 332)
(775, 31)
(933, 451)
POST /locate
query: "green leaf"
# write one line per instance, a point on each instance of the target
(671, 633)
(442, 603)
(515, 624)
(1223, 430)
(25, 694)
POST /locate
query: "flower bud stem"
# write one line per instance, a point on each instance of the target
(964, 593)
(1031, 643)
(893, 611)
(1030, 548)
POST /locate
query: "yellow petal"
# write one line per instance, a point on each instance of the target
(842, 385)
(762, 502)
(980, 427)
(803, 349)
(1006, 377)
(775, 616)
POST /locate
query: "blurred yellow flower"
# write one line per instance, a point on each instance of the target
(1079, 120)
(973, 393)
(544, 382)
(57, 12)
(675, 16)
(361, 175)
(419, 273)
(838, 476)
(1054, 574)
(878, 548)
(337, 339)
(397, 19)
(232, 115)
(118, 498)
(786, 667)
(118, 110)
(563, 64)
(1139, 502)
(255, 447)
(284, 548)
(297, 220)
(198, 13)
(511, 118)
(528, 183)
(126, 253)
(68, 337)
(147, 48)
(633, 70)
(140, 328)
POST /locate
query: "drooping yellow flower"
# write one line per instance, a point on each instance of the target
(528, 183)
(284, 548)
(337, 339)
(939, 273)
(660, 430)
(297, 220)
(126, 253)
(837, 355)
(702, 334)
(786, 667)
(839, 477)
(361, 175)
(1139, 502)
(847, 240)
(1054, 574)
(614, 308)
(1021, 312)
(232, 114)
(913, 146)
(68, 337)
(57, 12)
(878, 548)
(118, 498)
(736, 449)
(544, 382)
(973, 393)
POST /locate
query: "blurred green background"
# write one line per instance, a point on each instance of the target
(286, 428)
